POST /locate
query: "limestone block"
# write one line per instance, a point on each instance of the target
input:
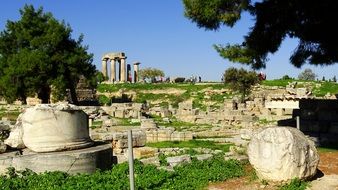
(3, 147)
(153, 160)
(120, 139)
(31, 101)
(282, 104)
(85, 160)
(203, 156)
(6, 160)
(282, 153)
(188, 136)
(55, 127)
(15, 137)
(280, 111)
(164, 135)
(148, 124)
(119, 113)
(174, 161)
(301, 92)
(152, 136)
(144, 152)
(177, 136)
(139, 138)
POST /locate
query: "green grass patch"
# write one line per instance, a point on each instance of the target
(127, 122)
(191, 144)
(190, 176)
(326, 87)
(277, 82)
(11, 115)
(328, 148)
(104, 100)
(295, 184)
(191, 91)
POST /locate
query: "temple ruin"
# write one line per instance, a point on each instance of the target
(124, 70)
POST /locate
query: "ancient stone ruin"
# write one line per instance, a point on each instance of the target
(50, 137)
(283, 153)
(124, 72)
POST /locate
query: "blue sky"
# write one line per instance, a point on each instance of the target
(157, 34)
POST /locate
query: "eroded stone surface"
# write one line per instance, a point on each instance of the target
(74, 161)
(282, 153)
(3, 147)
(55, 127)
(15, 137)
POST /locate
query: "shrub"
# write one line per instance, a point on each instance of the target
(179, 80)
(307, 74)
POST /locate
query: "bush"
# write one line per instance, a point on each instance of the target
(179, 80)
(240, 80)
(295, 184)
(104, 100)
(286, 77)
(307, 74)
(195, 175)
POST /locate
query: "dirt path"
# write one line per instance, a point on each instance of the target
(327, 177)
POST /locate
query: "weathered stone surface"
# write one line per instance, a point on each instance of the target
(3, 147)
(55, 127)
(327, 182)
(148, 124)
(153, 160)
(203, 156)
(74, 161)
(173, 161)
(144, 152)
(120, 139)
(282, 153)
(15, 137)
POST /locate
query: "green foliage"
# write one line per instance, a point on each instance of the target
(274, 21)
(277, 82)
(286, 77)
(195, 175)
(307, 74)
(179, 80)
(11, 115)
(240, 80)
(150, 73)
(104, 100)
(37, 52)
(328, 148)
(326, 87)
(191, 144)
(211, 14)
(188, 91)
(295, 184)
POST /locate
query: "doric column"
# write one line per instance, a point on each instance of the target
(104, 67)
(123, 70)
(136, 69)
(112, 70)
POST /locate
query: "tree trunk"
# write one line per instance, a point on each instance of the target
(73, 96)
(44, 94)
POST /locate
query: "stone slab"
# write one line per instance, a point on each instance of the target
(282, 104)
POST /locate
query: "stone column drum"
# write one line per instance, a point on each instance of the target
(48, 127)
(104, 67)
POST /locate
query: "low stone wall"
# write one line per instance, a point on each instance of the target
(158, 135)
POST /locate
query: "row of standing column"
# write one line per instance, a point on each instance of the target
(122, 70)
